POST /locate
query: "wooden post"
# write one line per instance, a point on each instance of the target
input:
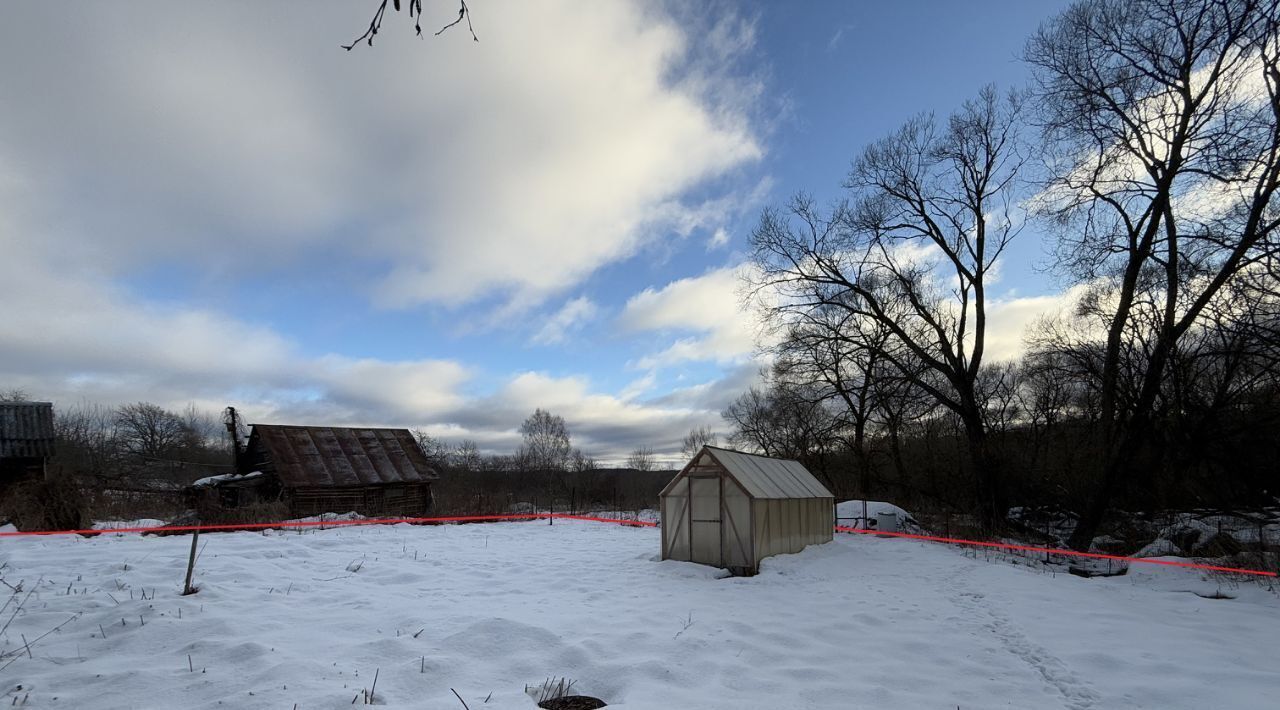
(551, 516)
(191, 564)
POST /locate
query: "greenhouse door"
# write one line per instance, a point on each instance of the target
(704, 521)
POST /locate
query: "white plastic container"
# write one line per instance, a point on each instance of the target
(886, 521)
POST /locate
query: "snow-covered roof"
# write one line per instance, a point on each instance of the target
(767, 477)
(215, 480)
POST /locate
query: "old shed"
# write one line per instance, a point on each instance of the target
(731, 509)
(26, 439)
(340, 469)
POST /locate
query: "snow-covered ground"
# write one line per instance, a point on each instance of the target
(287, 619)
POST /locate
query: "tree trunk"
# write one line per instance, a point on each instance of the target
(988, 484)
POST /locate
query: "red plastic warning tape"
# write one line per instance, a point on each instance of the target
(615, 521)
(1055, 551)
(333, 524)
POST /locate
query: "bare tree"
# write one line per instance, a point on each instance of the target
(87, 441)
(932, 210)
(466, 456)
(836, 357)
(750, 421)
(434, 448)
(415, 14)
(14, 395)
(697, 438)
(201, 431)
(641, 459)
(546, 442)
(580, 461)
(1161, 120)
(786, 421)
(149, 430)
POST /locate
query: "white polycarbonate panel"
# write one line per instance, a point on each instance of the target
(736, 526)
(705, 494)
(764, 477)
(675, 522)
(704, 501)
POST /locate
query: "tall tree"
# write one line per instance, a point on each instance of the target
(787, 421)
(546, 442)
(697, 438)
(641, 459)
(1161, 120)
(932, 209)
(466, 456)
(837, 357)
(149, 430)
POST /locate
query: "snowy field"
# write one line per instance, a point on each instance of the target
(287, 620)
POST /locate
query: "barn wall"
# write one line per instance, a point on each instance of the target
(398, 499)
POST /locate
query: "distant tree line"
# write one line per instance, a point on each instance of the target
(126, 461)
(1147, 151)
(121, 445)
(546, 472)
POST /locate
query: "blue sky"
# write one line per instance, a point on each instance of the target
(442, 234)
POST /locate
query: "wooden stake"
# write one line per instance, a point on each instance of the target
(191, 564)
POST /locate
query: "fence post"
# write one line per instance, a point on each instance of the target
(551, 515)
(191, 563)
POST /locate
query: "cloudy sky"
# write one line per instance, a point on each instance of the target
(213, 203)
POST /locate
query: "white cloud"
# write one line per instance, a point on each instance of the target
(571, 317)
(834, 43)
(709, 305)
(605, 425)
(85, 342)
(717, 240)
(235, 138)
(241, 135)
(1009, 318)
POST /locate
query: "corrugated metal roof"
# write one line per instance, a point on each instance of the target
(26, 429)
(305, 457)
(766, 477)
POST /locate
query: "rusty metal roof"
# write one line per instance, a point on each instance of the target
(308, 456)
(26, 429)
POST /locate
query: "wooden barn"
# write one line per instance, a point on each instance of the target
(314, 470)
(732, 509)
(26, 441)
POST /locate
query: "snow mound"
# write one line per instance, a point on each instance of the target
(1158, 548)
(329, 517)
(848, 510)
(125, 524)
(487, 610)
